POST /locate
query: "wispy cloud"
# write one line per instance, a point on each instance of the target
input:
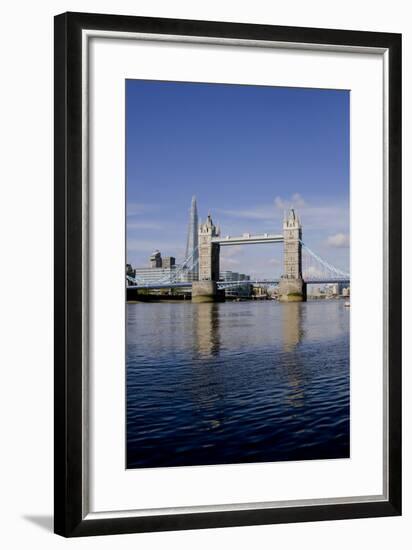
(312, 271)
(148, 245)
(228, 263)
(295, 201)
(274, 261)
(231, 251)
(257, 213)
(230, 257)
(138, 208)
(143, 225)
(316, 215)
(340, 240)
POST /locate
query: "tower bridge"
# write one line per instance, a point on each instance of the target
(291, 285)
(200, 269)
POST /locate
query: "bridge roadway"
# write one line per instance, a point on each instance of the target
(223, 284)
(247, 238)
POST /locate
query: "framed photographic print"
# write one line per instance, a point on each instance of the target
(227, 274)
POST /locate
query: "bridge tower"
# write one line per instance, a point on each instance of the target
(292, 287)
(205, 289)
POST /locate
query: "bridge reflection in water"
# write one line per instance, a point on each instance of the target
(206, 320)
(206, 332)
(220, 383)
(292, 330)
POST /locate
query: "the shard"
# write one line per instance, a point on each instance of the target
(192, 252)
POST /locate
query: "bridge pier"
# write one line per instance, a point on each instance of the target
(292, 290)
(204, 291)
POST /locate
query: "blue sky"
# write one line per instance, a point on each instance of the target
(247, 153)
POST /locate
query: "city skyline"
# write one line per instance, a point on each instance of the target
(176, 138)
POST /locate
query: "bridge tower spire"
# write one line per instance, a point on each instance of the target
(292, 288)
(192, 240)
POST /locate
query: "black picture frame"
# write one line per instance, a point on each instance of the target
(69, 516)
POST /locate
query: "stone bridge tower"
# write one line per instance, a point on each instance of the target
(292, 288)
(205, 289)
(208, 251)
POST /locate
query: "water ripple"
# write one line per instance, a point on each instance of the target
(236, 382)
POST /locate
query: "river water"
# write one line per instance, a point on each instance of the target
(236, 382)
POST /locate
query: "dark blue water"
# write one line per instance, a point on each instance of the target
(236, 382)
